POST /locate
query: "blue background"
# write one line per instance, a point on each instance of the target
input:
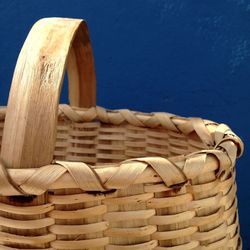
(187, 57)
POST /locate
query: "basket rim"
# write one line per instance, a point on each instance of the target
(222, 149)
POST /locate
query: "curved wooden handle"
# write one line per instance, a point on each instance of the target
(31, 118)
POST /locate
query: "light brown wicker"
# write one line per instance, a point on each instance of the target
(83, 177)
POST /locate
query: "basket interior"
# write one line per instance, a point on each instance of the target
(98, 143)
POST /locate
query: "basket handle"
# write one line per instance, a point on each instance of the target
(30, 124)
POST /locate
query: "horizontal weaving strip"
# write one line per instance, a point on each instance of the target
(124, 174)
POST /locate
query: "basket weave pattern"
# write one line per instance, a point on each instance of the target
(176, 189)
(80, 176)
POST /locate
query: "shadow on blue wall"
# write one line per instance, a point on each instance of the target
(186, 57)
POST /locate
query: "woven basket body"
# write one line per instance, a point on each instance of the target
(83, 177)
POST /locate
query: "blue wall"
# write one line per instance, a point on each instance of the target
(187, 57)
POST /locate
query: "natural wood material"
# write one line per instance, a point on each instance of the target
(30, 128)
(106, 179)
(36, 86)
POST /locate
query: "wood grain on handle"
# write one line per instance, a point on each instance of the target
(30, 124)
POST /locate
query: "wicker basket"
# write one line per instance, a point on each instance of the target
(83, 177)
